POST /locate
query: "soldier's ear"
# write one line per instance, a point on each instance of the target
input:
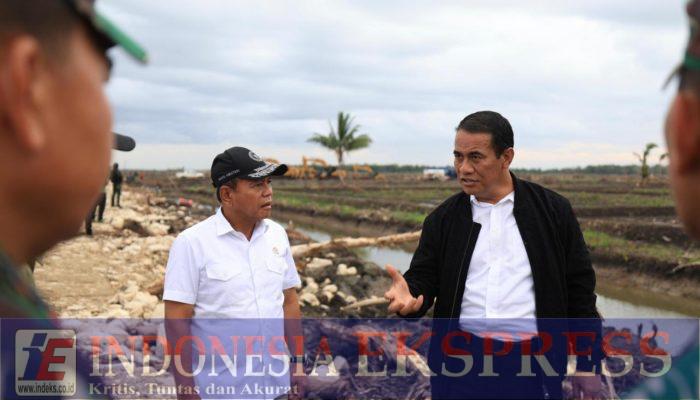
(684, 133)
(23, 84)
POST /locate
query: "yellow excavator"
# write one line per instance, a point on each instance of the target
(292, 172)
(366, 172)
(362, 172)
(317, 168)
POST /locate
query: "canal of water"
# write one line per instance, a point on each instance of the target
(612, 301)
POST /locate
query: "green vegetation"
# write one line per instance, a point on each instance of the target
(647, 197)
(404, 195)
(344, 139)
(604, 169)
(645, 165)
(406, 199)
(396, 168)
(597, 199)
(600, 241)
(332, 207)
(410, 216)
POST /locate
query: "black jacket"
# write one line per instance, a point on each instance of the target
(564, 280)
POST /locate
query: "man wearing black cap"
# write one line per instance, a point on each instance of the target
(55, 139)
(236, 264)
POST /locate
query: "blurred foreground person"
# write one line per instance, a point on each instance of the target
(683, 131)
(504, 254)
(683, 141)
(55, 138)
(234, 272)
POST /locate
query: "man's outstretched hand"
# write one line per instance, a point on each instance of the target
(400, 299)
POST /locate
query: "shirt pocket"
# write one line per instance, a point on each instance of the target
(276, 265)
(275, 271)
(221, 271)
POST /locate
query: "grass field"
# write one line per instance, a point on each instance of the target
(623, 223)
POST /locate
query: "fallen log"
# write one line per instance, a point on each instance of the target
(681, 267)
(372, 301)
(304, 250)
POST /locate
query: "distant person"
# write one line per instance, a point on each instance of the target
(236, 264)
(502, 248)
(55, 144)
(97, 212)
(116, 177)
(99, 209)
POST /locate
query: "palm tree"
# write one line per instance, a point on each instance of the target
(344, 139)
(645, 165)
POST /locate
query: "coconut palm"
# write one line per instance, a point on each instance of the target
(645, 165)
(344, 139)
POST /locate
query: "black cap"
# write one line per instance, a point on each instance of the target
(123, 142)
(239, 162)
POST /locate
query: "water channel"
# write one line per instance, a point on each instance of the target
(612, 301)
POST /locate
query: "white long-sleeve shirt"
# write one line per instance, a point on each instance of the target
(499, 293)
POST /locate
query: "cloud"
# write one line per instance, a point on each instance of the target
(271, 74)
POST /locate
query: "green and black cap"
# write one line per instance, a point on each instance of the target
(691, 57)
(105, 31)
(108, 35)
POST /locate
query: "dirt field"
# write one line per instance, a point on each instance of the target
(628, 227)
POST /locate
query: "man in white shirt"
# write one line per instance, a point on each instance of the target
(498, 256)
(233, 276)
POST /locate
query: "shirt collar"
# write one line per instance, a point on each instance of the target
(223, 226)
(509, 197)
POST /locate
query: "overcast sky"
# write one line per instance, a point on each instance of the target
(580, 83)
